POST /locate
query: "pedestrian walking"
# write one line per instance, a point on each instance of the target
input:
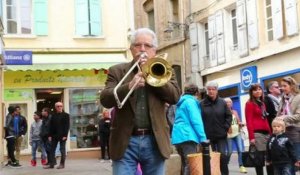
(272, 100)
(59, 129)
(257, 122)
(234, 135)
(35, 139)
(188, 129)
(289, 111)
(45, 131)
(10, 137)
(104, 132)
(280, 150)
(20, 132)
(139, 132)
(217, 120)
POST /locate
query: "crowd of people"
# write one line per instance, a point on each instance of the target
(194, 121)
(137, 136)
(45, 133)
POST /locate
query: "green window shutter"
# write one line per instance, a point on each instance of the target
(41, 17)
(81, 17)
(95, 16)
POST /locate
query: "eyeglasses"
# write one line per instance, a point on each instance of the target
(140, 45)
(59, 106)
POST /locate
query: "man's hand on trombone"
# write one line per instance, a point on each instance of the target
(137, 79)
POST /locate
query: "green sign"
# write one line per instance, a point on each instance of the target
(18, 94)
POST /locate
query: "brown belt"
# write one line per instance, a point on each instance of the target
(141, 132)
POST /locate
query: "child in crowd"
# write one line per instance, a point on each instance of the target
(35, 139)
(280, 150)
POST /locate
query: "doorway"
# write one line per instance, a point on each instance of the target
(48, 98)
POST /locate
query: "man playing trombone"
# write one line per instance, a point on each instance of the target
(140, 132)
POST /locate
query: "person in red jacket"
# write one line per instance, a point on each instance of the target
(257, 122)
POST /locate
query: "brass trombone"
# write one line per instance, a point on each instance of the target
(156, 71)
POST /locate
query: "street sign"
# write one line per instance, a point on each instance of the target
(248, 77)
(18, 57)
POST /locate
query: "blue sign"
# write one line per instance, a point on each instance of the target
(248, 77)
(18, 57)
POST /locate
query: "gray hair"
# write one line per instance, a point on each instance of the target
(270, 84)
(227, 99)
(144, 31)
(212, 84)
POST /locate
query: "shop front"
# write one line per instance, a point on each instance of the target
(79, 90)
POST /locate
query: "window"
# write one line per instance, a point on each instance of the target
(17, 16)
(175, 18)
(234, 29)
(206, 40)
(269, 20)
(85, 112)
(149, 9)
(88, 18)
(151, 19)
(175, 10)
(20, 18)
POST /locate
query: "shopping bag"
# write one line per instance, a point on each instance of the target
(196, 163)
(253, 157)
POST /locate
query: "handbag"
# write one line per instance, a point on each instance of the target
(196, 163)
(253, 158)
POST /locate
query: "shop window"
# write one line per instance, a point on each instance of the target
(85, 112)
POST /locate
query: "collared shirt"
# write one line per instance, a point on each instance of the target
(142, 118)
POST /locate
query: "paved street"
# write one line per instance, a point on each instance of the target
(89, 167)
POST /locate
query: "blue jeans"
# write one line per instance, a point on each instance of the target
(297, 152)
(143, 150)
(238, 141)
(283, 169)
(35, 145)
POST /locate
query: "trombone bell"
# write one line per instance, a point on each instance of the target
(157, 71)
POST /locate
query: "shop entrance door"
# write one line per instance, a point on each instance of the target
(48, 98)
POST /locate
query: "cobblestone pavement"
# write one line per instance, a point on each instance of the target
(90, 167)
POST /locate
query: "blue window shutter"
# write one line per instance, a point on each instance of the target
(81, 17)
(41, 17)
(95, 16)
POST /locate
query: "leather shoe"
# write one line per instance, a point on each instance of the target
(48, 167)
(60, 167)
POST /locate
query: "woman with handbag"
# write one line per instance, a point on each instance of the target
(289, 111)
(234, 135)
(257, 123)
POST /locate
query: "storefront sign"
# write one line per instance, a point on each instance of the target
(248, 77)
(18, 94)
(50, 79)
(18, 57)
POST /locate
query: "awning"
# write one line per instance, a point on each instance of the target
(51, 62)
